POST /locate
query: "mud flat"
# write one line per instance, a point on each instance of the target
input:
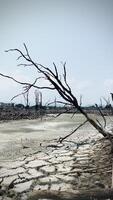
(31, 159)
(34, 134)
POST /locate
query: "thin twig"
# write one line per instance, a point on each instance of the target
(101, 113)
(63, 138)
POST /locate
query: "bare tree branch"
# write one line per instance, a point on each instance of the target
(63, 138)
(101, 115)
(60, 102)
(55, 69)
(65, 77)
(64, 112)
(60, 86)
(27, 86)
(6, 76)
(74, 114)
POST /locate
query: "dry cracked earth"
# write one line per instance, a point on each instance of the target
(62, 167)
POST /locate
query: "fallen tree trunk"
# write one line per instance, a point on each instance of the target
(77, 195)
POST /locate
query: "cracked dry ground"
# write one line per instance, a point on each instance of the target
(63, 167)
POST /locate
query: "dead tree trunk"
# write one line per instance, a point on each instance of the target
(99, 128)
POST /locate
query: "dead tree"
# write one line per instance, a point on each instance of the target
(108, 106)
(57, 82)
(111, 96)
(26, 99)
(36, 99)
(40, 99)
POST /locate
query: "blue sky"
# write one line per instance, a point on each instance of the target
(79, 32)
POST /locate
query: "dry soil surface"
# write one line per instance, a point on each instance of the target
(32, 159)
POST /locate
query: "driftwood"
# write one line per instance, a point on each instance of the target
(77, 195)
